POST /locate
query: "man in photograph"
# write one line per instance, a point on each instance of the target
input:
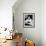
(28, 20)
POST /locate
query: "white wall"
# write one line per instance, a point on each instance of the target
(6, 13)
(43, 22)
(28, 6)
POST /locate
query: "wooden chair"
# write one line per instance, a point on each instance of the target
(29, 43)
(18, 39)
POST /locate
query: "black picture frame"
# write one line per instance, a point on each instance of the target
(28, 20)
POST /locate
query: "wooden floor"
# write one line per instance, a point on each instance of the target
(9, 43)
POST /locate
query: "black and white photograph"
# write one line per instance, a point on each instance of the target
(29, 20)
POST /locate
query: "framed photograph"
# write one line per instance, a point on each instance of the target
(29, 20)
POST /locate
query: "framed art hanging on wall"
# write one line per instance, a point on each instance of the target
(29, 20)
